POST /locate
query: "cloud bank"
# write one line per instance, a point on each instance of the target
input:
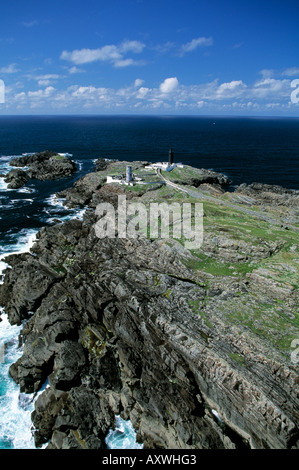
(170, 95)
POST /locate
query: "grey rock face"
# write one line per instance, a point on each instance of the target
(42, 166)
(115, 333)
(16, 179)
(127, 326)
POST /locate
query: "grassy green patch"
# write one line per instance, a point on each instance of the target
(263, 319)
(182, 174)
(216, 267)
(59, 157)
(283, 267)
(238, 358)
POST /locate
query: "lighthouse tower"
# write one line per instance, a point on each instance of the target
(129, 177)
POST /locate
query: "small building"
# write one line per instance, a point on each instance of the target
(166, 166)
(159, 165)
(114, 179)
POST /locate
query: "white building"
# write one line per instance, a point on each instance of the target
(165, 166)
(114, 179)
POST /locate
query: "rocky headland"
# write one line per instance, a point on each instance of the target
(43, 166)
(194, 346)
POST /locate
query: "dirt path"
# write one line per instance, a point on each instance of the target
(199, 195)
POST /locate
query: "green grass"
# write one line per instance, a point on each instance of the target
(137, 188)
(263, 319)
(283, 267)
(182, 174)
(211, 265)
(238, 358)
(60, 157)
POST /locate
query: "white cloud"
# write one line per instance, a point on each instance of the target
(108, 53)
(48, 76)
(20, 96)
(169, 85)
(123, 63)
(142, 92)
(230, 89)
(132, 46)
(75, 69)
(45, 80)
(271, 87)
(195, 44)
(273, 105)
(41, 93)
(138, 82)
(291, 72)
(29, 24)
(83, 90)
(267, 73)
(164, 48)
(12, 68)
(265, 95)
(84, 56)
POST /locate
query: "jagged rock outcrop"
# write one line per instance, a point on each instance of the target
(126, 326)
(43, 166)
(266, 197)
(16, 179)
(271, 194)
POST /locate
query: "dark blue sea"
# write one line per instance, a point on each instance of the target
(245, 149)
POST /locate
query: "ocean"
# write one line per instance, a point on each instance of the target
(264, 150)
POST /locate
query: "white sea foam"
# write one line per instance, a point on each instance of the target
(3, 266)
(79, 163)
(25, 240)
(4, 169)
(57, 205)
(123, 436)
(26, 190)
(16, 408)
(54, 200)
(3, 185)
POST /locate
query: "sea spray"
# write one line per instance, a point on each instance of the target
(56, 208)
(123, 436)
(15, 409)
(21, 243)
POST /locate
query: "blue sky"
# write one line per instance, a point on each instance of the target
(216, 57)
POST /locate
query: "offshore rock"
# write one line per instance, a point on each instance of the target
(16, 179)
(45, 165)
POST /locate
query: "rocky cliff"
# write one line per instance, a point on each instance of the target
(193, 346)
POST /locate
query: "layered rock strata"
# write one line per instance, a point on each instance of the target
(141, 328)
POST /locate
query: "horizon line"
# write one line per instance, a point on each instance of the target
(255, 116)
